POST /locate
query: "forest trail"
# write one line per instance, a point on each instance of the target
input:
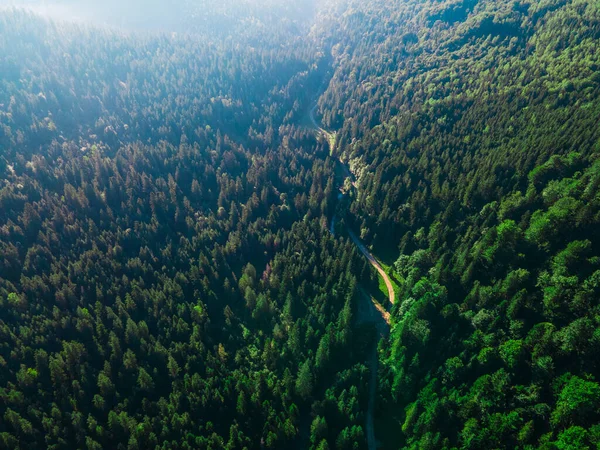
(391, 294)
(369, 311)
(375, 263)
(327, 134)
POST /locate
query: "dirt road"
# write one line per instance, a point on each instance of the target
(369, 310)
(375, 263)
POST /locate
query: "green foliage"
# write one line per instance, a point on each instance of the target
(164, 268)
(574, 437)
(511, 352)
(304, 382)
(545, 224)
(166, 271)
(578, 402)
(318, 431)
(144, 380)
(476, 158)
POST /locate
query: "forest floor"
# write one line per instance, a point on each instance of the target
(369, 310)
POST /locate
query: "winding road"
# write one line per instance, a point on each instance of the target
(375, 263)
(391, 294)
(370, 310)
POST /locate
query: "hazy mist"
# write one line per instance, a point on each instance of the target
(167, 15)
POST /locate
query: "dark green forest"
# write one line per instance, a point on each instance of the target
(169, 278)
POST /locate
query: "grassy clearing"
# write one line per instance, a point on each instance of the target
(331, 137)
(381, 293)
(394, 278)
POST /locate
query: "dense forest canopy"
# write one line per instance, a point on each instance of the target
(167, 280)
(472, 129)
(182, 247)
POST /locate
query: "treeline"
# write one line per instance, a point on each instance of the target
(167, 278)
(472, 129)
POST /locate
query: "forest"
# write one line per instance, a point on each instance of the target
(167, 281)
(170, 276)
(472, 130)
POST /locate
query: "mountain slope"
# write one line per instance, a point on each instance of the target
(472, 127)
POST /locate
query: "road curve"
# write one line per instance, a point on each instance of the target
(377, 313)
(316, 125)
(375, 263)
(359, 244)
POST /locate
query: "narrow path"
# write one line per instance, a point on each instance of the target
(316, 125)
(375, 263)
(391, 294)
(369, 310)
(331, 140)
(332, 228)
